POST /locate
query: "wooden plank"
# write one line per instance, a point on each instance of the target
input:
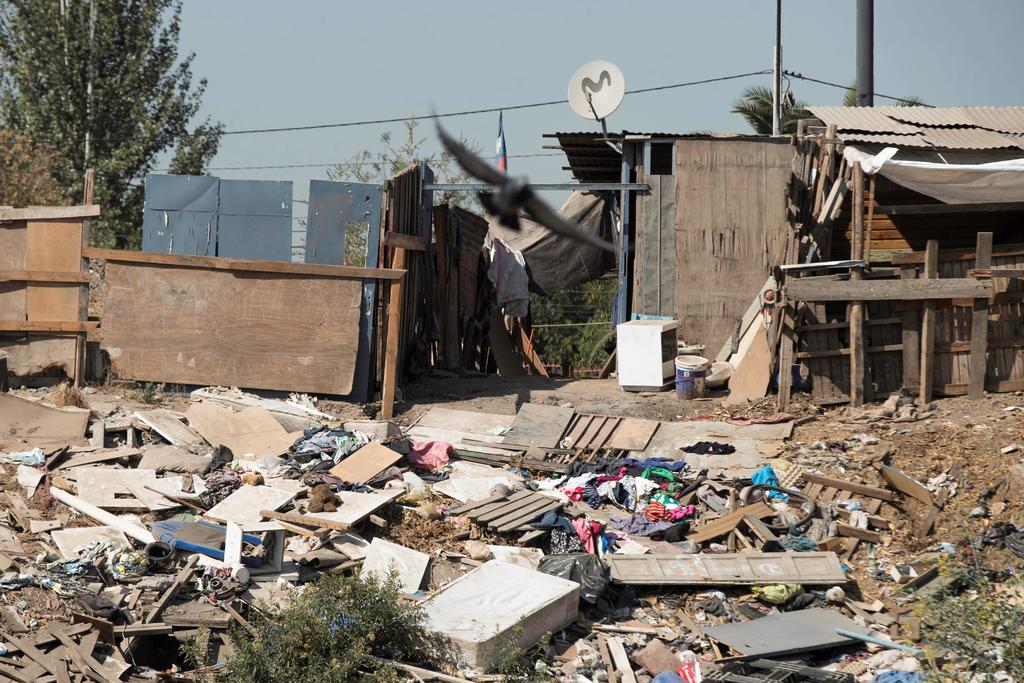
(407, 242)
(946, 209)
(305, 520)
(58, 326)
(367, 462)
(220, 327)
(511, 522)
(539, 425)
(52, 276)
(910, 327)
(996, 272)
(928, 321)
(727, 523)
(48, 662)
(979, 323)
(807, 568)
(633, 434)
(856, 310)
(787, 346)
(236, 265)
(618, 654)
(391, 345)
(948, 255)
(848, 531)
(862, 489)
(907, 485)
(49, 213)
(887, 290)
(81, 656)
(183, 577)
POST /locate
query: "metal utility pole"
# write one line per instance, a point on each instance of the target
(777, 73)
(865, 53)
(90, 74)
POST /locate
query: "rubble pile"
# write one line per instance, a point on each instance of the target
(729, 547)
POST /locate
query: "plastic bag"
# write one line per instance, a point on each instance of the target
(582, 568)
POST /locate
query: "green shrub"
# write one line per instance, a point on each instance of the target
(332, 632)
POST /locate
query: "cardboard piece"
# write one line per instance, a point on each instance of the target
(169, 425)
(365, 463)
(500, 597)
(29, 478)
(384, 557)
(250, 434)
(67, 540)
(243, 506)
(28, 423)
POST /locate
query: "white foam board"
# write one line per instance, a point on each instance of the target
(383, 557)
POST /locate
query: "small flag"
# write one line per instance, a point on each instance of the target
(500, 155)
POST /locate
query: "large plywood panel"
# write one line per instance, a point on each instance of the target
(12, 257)
(731, 227)
(192, 325)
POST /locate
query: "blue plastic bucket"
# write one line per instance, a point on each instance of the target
(690, 374)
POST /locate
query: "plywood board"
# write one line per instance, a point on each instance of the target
(383, 558)
(465, 420)
(750, 379)
(633, 434)
(26, 424)
(169, 425)
(53, 246)
(115, 489)
(731, 229)
(362, 465)
(671, 435)
(263, 330)
(355, 507)
(250, 434)
(810, 568)
(243, 506)
(67, 540)
(539, 425)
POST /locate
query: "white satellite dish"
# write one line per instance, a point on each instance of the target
(596, 90)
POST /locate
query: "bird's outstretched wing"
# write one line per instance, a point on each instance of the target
(528, 200)
(541, 212)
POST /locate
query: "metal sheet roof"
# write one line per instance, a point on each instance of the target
(864, 119)
(968, 138)
(976, 128)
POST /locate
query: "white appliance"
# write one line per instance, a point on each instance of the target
(646, 353)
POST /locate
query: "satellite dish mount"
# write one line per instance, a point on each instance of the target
(595, 91)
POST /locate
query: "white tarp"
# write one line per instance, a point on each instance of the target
(997, 181)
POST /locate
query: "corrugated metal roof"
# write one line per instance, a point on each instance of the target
(1002, 119)
(864, 119)
(928, 116)
(885, 139)
(968, 138)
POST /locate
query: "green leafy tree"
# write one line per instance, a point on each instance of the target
(26, 172)
(102, 83)
(755, 106)
(580, 322)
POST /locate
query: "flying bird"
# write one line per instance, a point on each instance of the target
(513, 195)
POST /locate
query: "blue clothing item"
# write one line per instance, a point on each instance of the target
(667, 677)
(766, 476)
(898, 677)
(666, 463)
(590, 495)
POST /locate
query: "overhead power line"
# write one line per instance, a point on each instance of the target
(800, 76)
(347, 164)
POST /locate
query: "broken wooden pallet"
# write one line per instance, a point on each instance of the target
(510, 513)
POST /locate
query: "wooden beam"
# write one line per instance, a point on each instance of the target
(54, 277)
(391, 345)
(887, 290)
(856, 313)
(47, 326)
(947, 255)
(407, 242)
(946, 209)
(928, 318)
(244, 265)
(862, 489)
(49, 213)
(786, 347)
(979, 322)
(305, 520)
(910, 326)
(995, 272)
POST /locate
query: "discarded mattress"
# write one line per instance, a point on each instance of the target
(479, 610)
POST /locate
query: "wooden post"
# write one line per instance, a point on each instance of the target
(856, 311)
(786, 347)
(979, 322)
(931, 271)
(396, 293)
(911, 327)
(3, 371)
(83, 301)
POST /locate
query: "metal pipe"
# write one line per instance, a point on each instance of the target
(777, 73)
(865, 53)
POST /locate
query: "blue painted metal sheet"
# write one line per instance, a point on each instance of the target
(255, 219)
(180, 214)
(333, 208)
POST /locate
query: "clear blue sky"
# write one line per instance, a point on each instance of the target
(271, 63)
